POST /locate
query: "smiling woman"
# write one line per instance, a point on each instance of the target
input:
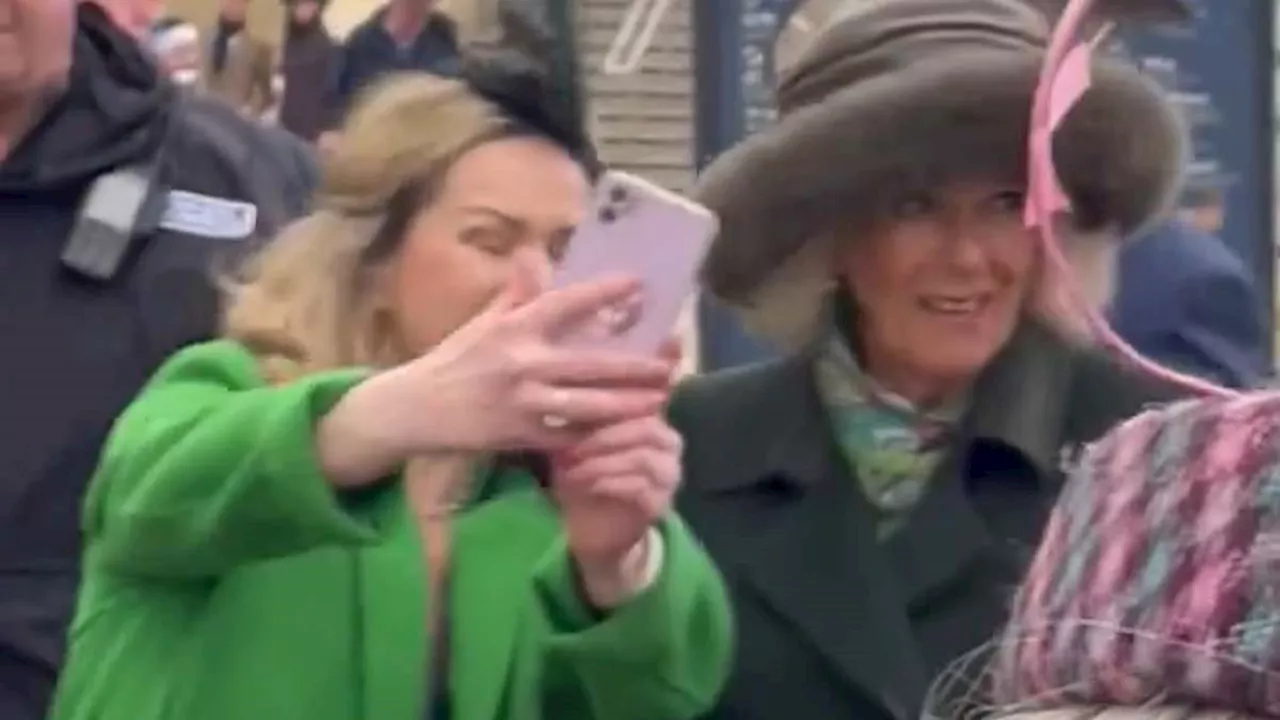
(870, 493)
(939, 283)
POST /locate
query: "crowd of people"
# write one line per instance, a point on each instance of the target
(307, 81)
(296, 440)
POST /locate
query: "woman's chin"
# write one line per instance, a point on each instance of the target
(960, 363)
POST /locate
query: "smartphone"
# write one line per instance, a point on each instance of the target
(639, 229)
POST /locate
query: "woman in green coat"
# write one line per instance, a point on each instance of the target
(312, 519)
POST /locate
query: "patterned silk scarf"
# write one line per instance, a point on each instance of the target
(891, 447)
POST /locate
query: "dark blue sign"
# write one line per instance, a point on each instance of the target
(735, 80)
(1222, 62)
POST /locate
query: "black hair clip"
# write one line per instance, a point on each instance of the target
(533, 78)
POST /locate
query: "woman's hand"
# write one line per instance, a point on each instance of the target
(610, 490)
(497, 383)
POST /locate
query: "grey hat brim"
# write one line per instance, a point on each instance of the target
(780, 193)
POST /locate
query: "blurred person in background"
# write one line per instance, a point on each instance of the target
(1186, 300)
(134, 16)
(239, 67)
(118, 198)
(401, 35)
(872, 495)
(175, 43)
(1205, 203)
(308, 62)
(1155, 591)
(317, 516)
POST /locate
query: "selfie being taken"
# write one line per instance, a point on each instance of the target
(639, 360)
(388, 490)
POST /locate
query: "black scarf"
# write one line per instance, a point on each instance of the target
(114, 109)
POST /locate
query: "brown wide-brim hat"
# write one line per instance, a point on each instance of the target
(907, 95)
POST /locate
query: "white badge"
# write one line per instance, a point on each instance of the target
(194, 214)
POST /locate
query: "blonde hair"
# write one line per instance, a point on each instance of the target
(308, 300)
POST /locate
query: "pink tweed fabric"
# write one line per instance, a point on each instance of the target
(1158, 577)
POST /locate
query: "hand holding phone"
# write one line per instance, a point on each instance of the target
(638, 229)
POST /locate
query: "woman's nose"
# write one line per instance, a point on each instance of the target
(537, 262)
(967, 246)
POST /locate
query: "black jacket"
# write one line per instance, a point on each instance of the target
(832, 624)
(75, 349)
(1185, 300)
(370, 54)
(309, 61)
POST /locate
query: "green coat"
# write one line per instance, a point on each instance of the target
(225, 580)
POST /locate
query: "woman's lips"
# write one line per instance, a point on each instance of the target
(955, 305)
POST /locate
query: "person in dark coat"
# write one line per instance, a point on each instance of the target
(1186, 300)
(101, 160)
(308, 62)
(873, 495)
(239, 68)
(402, 36)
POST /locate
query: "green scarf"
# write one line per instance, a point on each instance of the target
(891, 447)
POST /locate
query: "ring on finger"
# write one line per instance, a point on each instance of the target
(555, 421)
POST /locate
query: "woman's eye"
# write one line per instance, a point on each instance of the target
(1010, 201)
(913, 207)
(488, 240)
(557, 250)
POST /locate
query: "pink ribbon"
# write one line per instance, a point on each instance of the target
(1064, 79)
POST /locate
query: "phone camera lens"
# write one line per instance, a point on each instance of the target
(618, 195)
(608, 215)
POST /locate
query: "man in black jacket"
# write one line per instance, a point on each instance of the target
(308, 61)
(120, 199)
(402, 36)
(1187, 301)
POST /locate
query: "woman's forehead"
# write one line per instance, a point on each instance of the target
(976, 188)
(522, 178)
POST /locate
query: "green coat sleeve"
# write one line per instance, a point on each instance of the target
(210, 468)
(663, 656)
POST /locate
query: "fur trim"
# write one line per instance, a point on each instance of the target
(1120, 156)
